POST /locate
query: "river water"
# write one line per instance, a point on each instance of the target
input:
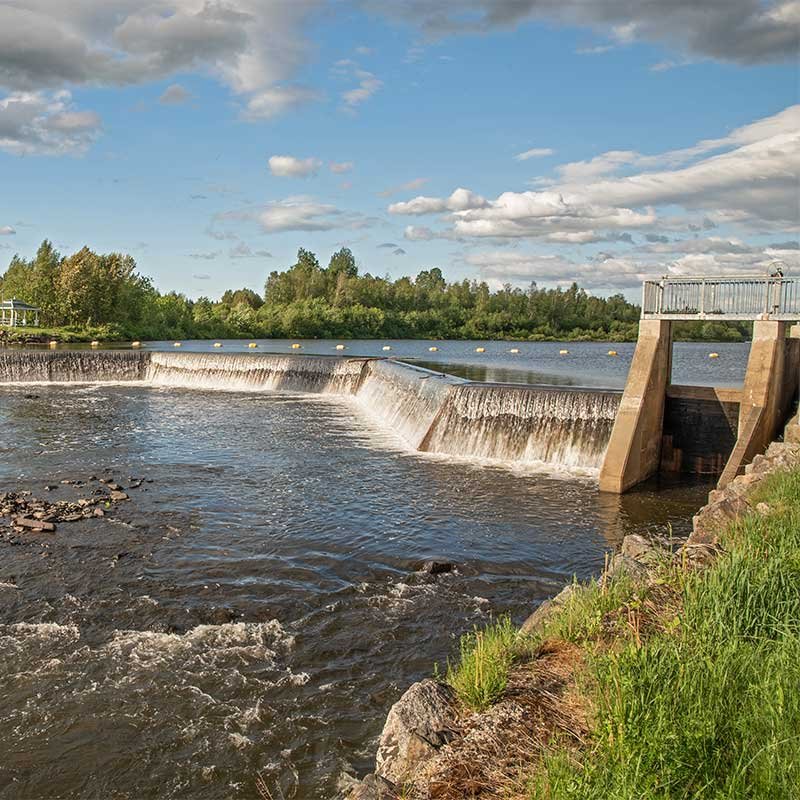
(256, 608)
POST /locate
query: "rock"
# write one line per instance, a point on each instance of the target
(50, 488)
(437, 567)
(34, 524)
(712, 518)
(373, 787)
(115, 487)
(621, 564)
(642, 550)
(417, 725)
(72, 517)
(763, 509)
(117, 496)
(537, 620)
(98, 512)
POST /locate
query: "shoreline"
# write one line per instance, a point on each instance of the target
(433, 742)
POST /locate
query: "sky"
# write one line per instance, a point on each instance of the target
(502, 140)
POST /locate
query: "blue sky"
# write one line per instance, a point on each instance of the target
(506, 141)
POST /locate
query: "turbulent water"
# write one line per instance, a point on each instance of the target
(255, 609)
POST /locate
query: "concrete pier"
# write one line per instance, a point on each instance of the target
(634, 451)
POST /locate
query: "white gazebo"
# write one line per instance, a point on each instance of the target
(15, 312)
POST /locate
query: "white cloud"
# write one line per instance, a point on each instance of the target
(45, 123)
(210, 256)
(278, 100)
(243, 250)
(368, 84)
(459, 200)
(175, 95)
(7, 230)
(253, 47)
(753, 183)
(742, 31)
(291, 167)
(338, 167)
(300, 213)
(534, 152)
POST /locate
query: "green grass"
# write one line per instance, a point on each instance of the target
(481, 674)
(68, 334)
(702, 702)
(712, 709)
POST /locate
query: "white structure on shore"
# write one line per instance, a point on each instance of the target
(14, 313)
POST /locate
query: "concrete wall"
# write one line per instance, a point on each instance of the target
(634, 451)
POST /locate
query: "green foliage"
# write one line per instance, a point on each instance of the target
(709, 709)
(481, 674)
(306, 300)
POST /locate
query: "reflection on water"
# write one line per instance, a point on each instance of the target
(255, 608)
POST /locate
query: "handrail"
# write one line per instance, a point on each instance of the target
(772, 297)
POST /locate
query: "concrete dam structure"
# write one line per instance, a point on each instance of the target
(431, 412)
(696, 429)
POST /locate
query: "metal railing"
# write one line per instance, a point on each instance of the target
(744, 298)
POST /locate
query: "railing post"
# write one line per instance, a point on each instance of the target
(703, 297)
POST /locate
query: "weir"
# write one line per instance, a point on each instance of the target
(431, 412)
(711, 431)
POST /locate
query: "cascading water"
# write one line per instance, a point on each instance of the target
(20, 366)
(430, 411)
(320, 374)
(404, 398)
(565, 427)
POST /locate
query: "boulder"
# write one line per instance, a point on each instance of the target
(711, 519)
(417, 725)
(34, 524)
(437, 567)
(621, 564)
(537, 620)
(642, 550)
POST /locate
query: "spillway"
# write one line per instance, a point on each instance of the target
(432, 412)
(567, 427)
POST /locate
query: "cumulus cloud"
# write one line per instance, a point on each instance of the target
(291, 167)
(175, 95)
(45, 123)
(742, 31)
(251, 46)
(751, 183)
(339, 167)
(534, 152)
(7, 230)
(460, 200)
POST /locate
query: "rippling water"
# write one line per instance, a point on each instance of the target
(255, 608)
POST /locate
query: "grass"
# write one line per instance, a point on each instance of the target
(480, 676)
(67, 334)
(694, 681)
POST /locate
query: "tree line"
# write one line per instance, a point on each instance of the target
(90, 291)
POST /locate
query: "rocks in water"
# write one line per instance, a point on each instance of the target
(117, 496)
(418, 724)
(34, 524)
(437, 567)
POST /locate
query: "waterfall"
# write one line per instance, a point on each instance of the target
(322, 374)
(404, 398)
(563, 427)
(431, 412)
(82, 366)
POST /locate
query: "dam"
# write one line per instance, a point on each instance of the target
(562, 427)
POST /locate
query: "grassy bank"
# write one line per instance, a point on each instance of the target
(689, 683)
(67, 335)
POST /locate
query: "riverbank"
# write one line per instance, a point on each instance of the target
(673, 675)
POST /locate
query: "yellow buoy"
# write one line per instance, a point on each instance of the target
(217, 344)
(563, 352)
(295, 346)
(136, 344)
(386, 347)
(433, 349)
(252, 345)
(612, 352)
(95, 344)
(177, 344)
(53, 343)
(480, 349)
(713, 355)
(340, 347)
(514, 350)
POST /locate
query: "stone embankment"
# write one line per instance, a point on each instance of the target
(425, 728)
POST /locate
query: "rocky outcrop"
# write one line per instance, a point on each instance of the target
(419, 723)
